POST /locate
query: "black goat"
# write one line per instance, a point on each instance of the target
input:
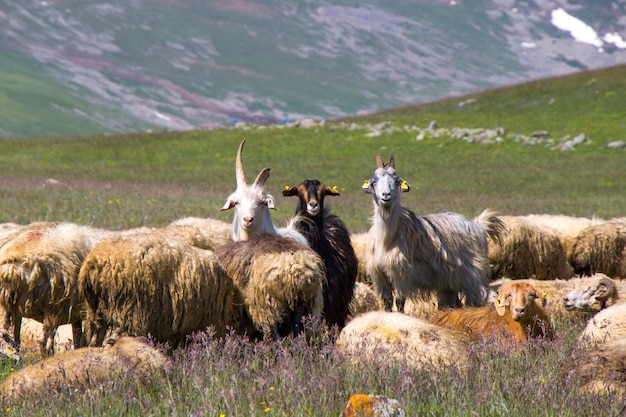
(327, 235)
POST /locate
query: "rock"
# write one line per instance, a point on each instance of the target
(363, 405)
(618, 144)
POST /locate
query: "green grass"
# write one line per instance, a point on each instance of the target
(123, 181)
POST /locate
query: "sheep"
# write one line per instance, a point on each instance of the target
(215, 231)
(31, 339)
(608, 324)
(279, 282)
(38, 278)
(154, 284)
(526, 249)
(601, 370)
(364, 299)
(7, 231)
(252, 203)
(601, 248)
(327, 235)
(518, 314)
(378, 337)
(87, 368)
(599, 293)
(410, 253)
(359, 244)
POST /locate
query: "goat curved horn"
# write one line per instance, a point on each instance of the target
(379, 162)
(392, 162)
(241, 176)
(262, 177)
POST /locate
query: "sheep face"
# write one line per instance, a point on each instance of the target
(592, 298)
(519, 298)
(311, 194)
(386, 184)
(251, 203)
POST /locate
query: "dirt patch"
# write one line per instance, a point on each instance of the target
(144, 188)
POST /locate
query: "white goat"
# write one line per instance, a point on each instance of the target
(252, 204)
(409, 253)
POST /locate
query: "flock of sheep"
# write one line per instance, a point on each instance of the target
(419, 288)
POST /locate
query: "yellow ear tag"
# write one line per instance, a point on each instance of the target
(366, 184)
(335, 188)
(544, 295)
(405, 185)
(499, 302)
(286, 187)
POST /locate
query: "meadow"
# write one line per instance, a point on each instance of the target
(153, 178)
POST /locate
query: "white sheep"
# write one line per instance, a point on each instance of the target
(215, 231)
(252, 204)
(156, 284)
(608, 324)
(39, 275)
(379, 338)
(601, 370)
(87, 368)
(595, 293)
(410, 253)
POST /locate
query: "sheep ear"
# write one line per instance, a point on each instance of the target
(500, 306)
(228, 205)
(331, 191)
(367, 189)
(290, 191)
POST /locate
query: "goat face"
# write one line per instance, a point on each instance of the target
(386, 183)
(519, 298)
(251, 202)
(311, 194)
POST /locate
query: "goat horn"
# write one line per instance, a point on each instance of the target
(241, 176)
(262, 177)
(379, 162)
(392, 162)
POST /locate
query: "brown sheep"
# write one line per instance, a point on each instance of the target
(378, 337)
(601, 248)
(86, 368)
(153, 284)
(279, 282)
(526, 249)
(518, 314)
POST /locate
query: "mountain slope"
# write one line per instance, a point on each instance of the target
(123, 66)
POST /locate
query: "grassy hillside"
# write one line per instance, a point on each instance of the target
(151, 179)
(122, 181)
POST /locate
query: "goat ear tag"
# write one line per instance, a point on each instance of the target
(499, 302)
(335, 190)
(366, 184)
(405, 186)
